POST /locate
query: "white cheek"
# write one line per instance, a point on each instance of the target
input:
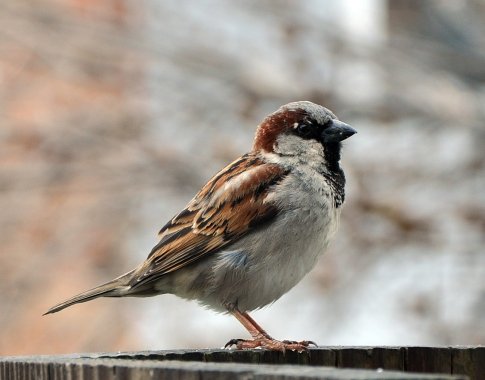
(293, 150)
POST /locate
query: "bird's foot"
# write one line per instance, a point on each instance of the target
(270, 344)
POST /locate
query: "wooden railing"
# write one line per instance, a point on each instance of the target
(431, 363)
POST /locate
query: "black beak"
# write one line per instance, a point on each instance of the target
(337, 132)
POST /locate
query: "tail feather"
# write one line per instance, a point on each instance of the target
(114, 288)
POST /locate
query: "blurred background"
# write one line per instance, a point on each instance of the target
(113, 114)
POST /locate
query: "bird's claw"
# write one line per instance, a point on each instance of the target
(233, 342)
(270, 344)
(306, 343)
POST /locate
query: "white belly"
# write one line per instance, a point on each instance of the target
(263, 266)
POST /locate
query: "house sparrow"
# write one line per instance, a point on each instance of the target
(255, 229)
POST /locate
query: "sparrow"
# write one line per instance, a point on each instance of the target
(255, 229)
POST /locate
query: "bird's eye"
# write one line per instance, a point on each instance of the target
(304, 130)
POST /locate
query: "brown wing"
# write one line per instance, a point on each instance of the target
(230, 205)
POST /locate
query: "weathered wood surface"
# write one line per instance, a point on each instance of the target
(432, 362)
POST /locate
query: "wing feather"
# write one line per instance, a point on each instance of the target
(228, 207)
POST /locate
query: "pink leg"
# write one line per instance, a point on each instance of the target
(261, 338)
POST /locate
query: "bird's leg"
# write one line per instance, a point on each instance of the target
(250, 324)
(261, 338)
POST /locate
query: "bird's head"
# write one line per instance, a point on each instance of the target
(305, 130)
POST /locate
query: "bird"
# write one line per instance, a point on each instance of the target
(254, 230)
